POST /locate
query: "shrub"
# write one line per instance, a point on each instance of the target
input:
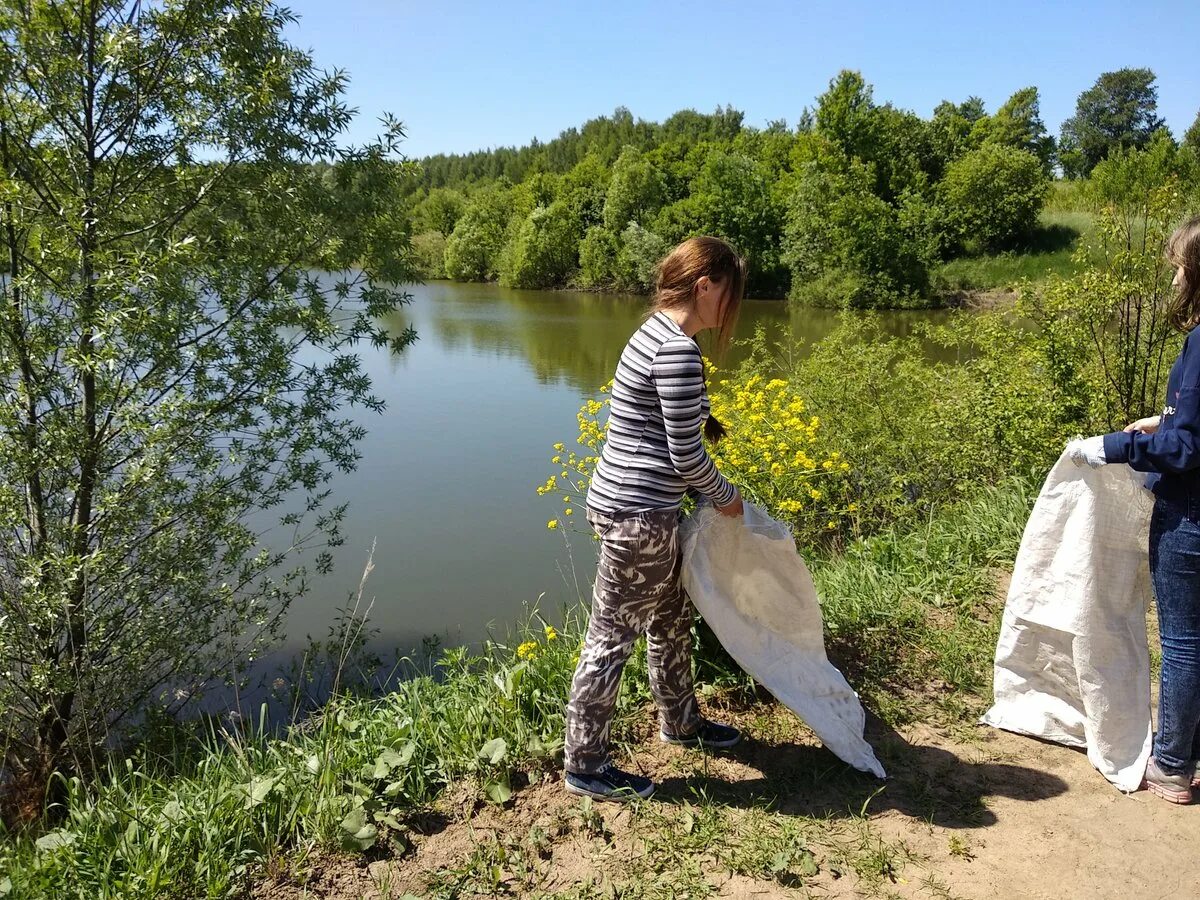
(636, 191)
(638, 258)
(544, 250)
(991, 197)
(429, 251)
(597, 257)
(773, 450)
(847, 247)
(473, 248)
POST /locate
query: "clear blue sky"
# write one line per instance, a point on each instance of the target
(469, 75)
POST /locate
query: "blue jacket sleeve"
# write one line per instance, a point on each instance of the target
(1171, 450)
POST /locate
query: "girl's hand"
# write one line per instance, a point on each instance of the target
(1148, 425)
(734, 508)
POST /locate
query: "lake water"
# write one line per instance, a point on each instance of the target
(446, 486)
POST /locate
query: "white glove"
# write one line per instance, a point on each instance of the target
(1087, 450)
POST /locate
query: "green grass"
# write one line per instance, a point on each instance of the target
(1051, 252)
(917, 611)
(201, 810)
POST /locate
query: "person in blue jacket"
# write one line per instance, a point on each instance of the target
(1168, 446)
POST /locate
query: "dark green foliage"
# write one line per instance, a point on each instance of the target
(854, 206)
(846, 246)
(636, 192)
(1119, 111)
(439, 211)
(952, 129)
(429, 254)
(583, 191)
(473, 249)
(731, 197)
(897, 145)
(637, 259)
(1018, 123)
(543, 252)
(991, 197)
(598, 257)
(1191, 137)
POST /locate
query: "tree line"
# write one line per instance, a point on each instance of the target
(853, 206)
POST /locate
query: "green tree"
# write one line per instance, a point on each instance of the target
(1018, 123)
(637, 261)
(846, 246)
(1191, 137)
(473, 249)
(991, 197)
(597, 257)
(429, 254)
(846, 116)
(172, 364)
(896, 145)
(636, 192)
(544, 251)
(732, 198)
(952, 130)
(1119, 110)
(440, 211)
(583, 191)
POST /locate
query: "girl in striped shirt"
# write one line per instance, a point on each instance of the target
(653, 455)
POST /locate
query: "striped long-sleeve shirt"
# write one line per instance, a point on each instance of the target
(654, 451)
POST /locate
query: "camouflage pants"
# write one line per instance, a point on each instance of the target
(637, 591)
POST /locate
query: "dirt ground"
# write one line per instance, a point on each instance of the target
(974, 814)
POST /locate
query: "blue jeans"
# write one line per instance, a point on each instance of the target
(1175, 569)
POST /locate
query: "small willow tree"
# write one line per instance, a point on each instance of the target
(175, 356)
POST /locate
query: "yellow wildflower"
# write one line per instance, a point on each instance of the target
(568, 511)
(552, 524)
(551, 634)
(527, 650)
(559, 447)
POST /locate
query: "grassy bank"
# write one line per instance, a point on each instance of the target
(1051, 251)
(911, 617)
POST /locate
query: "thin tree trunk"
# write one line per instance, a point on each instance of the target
(56, 753)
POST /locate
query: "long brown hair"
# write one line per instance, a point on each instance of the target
(696, 258)
(675, 288)
(1183, 249)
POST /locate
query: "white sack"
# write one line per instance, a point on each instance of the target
(1072, 665)
(753, 589)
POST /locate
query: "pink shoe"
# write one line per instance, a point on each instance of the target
(1175, 788)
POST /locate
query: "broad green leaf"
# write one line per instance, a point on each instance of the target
(393, 789)
(498, 790)
(357, 832)
(494, 751)
(259, 788)
(55, 839)
(807, 864)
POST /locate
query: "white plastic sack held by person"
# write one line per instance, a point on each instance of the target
(755, 592)
(1072, 664)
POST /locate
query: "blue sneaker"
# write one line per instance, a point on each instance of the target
(710, 736)
(610, 783)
